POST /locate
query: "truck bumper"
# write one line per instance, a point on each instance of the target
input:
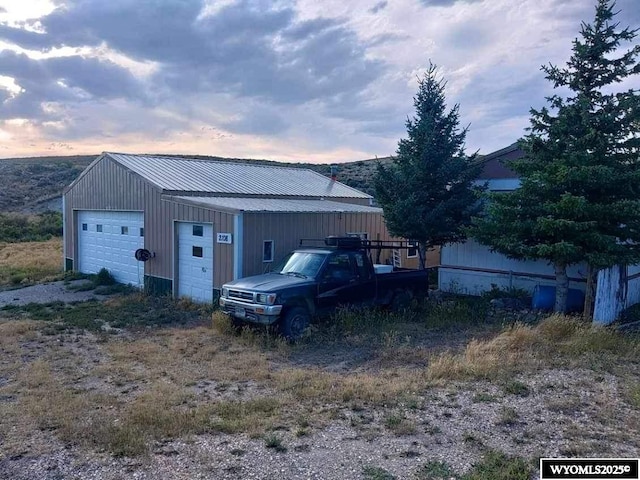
(251, 312)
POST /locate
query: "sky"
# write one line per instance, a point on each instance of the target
(298, 81)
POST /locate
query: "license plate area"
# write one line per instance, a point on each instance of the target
(240, 312)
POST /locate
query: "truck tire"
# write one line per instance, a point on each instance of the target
(295, 322)
(400, 302)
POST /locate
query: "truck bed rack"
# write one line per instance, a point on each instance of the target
(355, 243)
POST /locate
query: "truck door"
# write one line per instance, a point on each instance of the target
(336, 282)
(363, 291)
(346, 280)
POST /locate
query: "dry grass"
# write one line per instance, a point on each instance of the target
(391, 387)
(121, 393)
(30, 262)
(556, 341)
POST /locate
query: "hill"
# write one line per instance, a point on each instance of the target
(34, 185)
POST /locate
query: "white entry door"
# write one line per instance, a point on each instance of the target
(108, 239)
(195, 261)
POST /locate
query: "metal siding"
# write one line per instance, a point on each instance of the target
(633, 286)
(503, 271)
(286, 229)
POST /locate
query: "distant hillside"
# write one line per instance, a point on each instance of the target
(33, 185)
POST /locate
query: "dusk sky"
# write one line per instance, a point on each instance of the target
(307, 80)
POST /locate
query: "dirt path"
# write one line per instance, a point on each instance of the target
(46, 293)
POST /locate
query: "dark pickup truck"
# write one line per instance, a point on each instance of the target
(314, 281)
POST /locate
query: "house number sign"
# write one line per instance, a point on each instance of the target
(224, 238)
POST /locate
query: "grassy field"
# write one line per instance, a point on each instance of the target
(30, 262)
(446, 381)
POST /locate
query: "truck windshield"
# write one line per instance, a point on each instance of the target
(300, 263)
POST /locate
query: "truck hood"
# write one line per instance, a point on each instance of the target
(269, 282)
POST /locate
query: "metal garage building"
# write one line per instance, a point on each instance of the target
(205, 222)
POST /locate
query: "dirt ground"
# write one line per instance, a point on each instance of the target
(191, 399)
(47, 292)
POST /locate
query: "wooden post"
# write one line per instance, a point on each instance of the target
(611, 294)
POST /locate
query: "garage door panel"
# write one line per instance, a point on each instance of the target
(195, 274)
(110, 248)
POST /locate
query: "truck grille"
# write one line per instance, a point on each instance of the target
(241, 295)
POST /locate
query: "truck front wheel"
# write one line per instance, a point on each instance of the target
(295, 322)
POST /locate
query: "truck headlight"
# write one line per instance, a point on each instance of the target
(225, 292)
(267, 298)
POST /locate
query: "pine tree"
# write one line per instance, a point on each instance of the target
(579, 199)
(427, 193)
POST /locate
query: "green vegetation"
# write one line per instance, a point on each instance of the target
(499, 466)
(399, 424)
(275, 442)
(15, 227)
(516, 387)
(32, 184)
(435, 470)
(427, 193)
(483, 397)
(132, 310)
(578, 198)
(104, 278)
(376, 473)
(496, 292)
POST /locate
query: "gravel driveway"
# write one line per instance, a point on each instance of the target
(46, 293)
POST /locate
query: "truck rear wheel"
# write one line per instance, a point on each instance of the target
(295, 322)
(400, 302)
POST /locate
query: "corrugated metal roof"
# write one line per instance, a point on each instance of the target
(210, 176)
(275, 205)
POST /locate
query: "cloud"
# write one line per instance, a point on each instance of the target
(305, 77)
(241, 49)
(378, 7)
(445, 3)
(63, 80)
(258, 120)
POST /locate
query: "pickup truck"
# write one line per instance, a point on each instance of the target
(314, 281)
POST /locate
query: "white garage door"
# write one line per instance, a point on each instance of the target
(109, 239)
(195, 261)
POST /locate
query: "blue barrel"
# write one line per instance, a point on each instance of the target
(544, 298)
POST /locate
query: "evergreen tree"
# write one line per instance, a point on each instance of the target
(427, 192)
(579, 199)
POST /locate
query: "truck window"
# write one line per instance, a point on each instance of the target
(301, 263)
(360, 265)
(339, 268)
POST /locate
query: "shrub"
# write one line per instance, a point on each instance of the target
(16, 227)
(104, 277)
(510, 292)
(498, 466)
(275, 442)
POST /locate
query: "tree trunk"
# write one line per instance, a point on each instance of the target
(562, 288)
(422, 254)
(587, 313)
